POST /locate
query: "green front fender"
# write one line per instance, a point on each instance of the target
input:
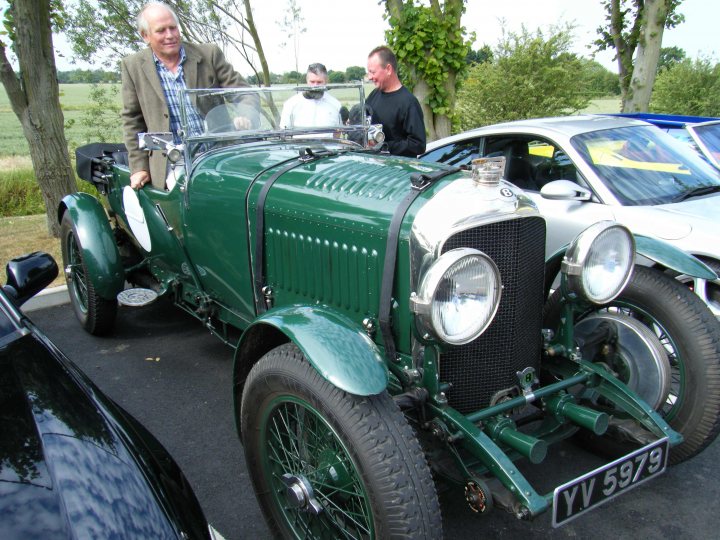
(99, 251)
(336, 347)
(672, 257)
(654, 249)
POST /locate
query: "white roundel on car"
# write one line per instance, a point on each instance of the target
(136, 218)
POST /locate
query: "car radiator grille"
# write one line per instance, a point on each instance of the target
(479, 369)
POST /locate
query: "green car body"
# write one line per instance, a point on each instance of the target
(325, 244)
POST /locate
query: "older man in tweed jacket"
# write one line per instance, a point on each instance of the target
(150, 80)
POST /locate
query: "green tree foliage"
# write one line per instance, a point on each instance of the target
(688, 87)
(88, 76)
(598, 80)
(531, 75)
(103, 27)
(483, 54)
(336, 77)
(255, 80)
(355, 73)
(431, 46)
(669, 56)
(108, 26)
(99, 120)
(292, 77)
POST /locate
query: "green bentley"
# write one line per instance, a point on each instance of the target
(392, 320)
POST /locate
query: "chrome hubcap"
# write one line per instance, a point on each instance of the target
(299, 494)
(640, 359)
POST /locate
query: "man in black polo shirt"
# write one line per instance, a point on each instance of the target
(394, 106)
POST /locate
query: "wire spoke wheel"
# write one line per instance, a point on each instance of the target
(95, 313)
(314, 479)
(328, 464)
(76, 278)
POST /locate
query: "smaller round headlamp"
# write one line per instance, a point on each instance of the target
(599, 262)
(175, 153)
(458, 296)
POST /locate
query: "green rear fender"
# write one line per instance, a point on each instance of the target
(95, 235)
(335, 346)
(654, 249)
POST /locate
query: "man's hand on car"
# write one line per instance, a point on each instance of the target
(139, 179)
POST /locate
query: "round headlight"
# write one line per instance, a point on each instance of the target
(599, 262)
(458, 296)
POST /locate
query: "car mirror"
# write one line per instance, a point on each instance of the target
(565, 190)
(28, 275)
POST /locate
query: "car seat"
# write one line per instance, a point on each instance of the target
(518, 168)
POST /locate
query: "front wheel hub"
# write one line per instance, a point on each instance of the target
(299, 494)
(478, 496)
(639, 358)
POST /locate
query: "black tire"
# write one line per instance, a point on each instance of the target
(96, 314)
(379, 484)
(691, 336)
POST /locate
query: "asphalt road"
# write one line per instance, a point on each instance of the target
(169, 372)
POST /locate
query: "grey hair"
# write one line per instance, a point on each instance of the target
(142, 25)
(317, 69)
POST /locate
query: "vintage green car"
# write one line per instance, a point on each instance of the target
(391, 319)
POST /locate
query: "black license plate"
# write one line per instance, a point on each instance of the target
(594, 488)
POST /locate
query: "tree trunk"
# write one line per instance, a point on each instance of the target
(625, 47)
(34, 97)
(422, 92)
(648, 54)
(443, 122)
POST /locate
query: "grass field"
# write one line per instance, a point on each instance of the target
(603, 106)
(75, 102)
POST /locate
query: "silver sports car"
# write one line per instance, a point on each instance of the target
(584, 169)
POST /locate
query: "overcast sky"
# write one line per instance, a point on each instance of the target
(340, 33)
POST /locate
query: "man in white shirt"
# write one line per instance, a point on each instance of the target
(312, 108)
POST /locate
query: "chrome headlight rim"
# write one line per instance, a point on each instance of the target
(423, 301)
(582, 249)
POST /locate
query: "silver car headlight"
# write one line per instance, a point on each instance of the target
(599, 262)
(458, 296)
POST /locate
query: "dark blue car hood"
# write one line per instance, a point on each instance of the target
(72, 464)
